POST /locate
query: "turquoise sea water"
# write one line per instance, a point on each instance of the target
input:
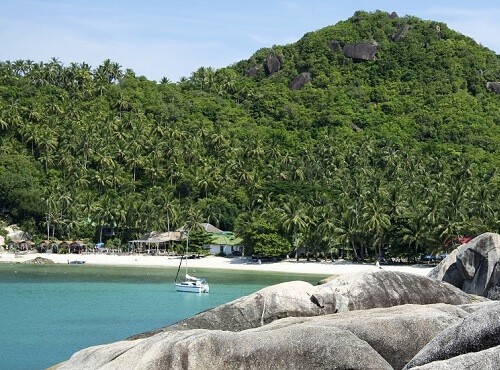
(48, 312)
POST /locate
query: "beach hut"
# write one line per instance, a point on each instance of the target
(155, 241)
(77, 246)
(226, 243)
(19, 244)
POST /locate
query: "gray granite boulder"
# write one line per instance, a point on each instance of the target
(273, 65)
(360, 51)
(473, 267)
(400, 33)
(383, 338)
(396, 333)
(493, 86)
(40, 261)
(335, 45)
(253, 71)
(297, 325)
(275, 302)
(294, 347)
(390, 288)
(477, 332)
(484, 360)
(300, 81)
(344, 293)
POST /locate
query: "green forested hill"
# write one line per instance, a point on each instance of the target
(399, 153)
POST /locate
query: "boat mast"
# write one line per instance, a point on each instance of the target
(187, 248)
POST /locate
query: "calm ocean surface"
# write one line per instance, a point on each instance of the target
(48, 312)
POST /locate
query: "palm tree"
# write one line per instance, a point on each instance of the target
(347, 230)
(377, 222)
(294, 220)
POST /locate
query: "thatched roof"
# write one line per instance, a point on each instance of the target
(159, 237)
(209, 228)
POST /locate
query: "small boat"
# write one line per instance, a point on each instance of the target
(76, 262)
(190, 284)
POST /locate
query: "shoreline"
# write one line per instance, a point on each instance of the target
(214, 262)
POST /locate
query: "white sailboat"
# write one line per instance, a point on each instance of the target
(190, 284)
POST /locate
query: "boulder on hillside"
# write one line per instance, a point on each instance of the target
(493, 86)
(300, 81)
(273, 65)
(384, 338)
(473, 267)
(361, 51)
(335, 45)
(384, 288)
(400, 33)
(477, 332)
(253, 71)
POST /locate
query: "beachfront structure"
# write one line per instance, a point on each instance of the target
(19, 244)
(155, 241)
(56, 246)
(224, 242)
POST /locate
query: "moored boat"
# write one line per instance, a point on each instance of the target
(190, 284)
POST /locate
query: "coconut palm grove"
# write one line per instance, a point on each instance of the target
(377, 136)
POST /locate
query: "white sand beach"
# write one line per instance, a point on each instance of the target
(213, 262)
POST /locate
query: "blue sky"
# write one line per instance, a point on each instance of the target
(173, 38)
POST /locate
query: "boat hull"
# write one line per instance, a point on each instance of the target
(190, 287)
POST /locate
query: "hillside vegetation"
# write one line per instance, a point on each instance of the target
(298, 146)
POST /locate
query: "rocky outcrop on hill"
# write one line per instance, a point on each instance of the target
(473, 267)
(335, 45)
(253, 72)
(300, 81)
(361, 51)
(400, 33)
(273, 65)
(493, 86)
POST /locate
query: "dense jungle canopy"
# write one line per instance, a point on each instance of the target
(301, 145)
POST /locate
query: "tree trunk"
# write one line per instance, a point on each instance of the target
(354, 252)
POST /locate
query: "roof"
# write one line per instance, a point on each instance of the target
(209, 228)
(159, 237)
(226, 238)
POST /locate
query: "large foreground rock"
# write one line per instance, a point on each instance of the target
(389, 288)
(260, 308)
(382, 338)
(477, 332)
(345, 293)
(396, 333)
(484, 360)
(473, 267)
(297, 325)
(285, 348)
